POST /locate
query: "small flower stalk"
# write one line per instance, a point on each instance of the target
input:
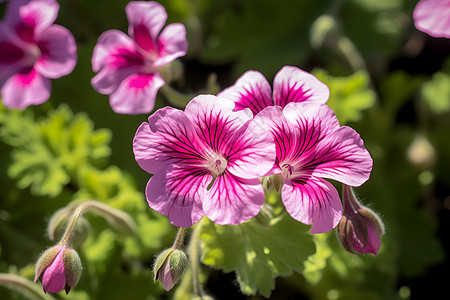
(58, 268)
(171, 263)
(360, 229)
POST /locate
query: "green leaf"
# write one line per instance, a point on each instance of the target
(258, 253)
(349, 95)
(49, 153)
(436, 92)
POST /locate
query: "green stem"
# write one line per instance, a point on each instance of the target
(175, 97)
(67, 237)
(115, 216)
(24, 286)
(194, 257)
(178, 243)
(351, 54)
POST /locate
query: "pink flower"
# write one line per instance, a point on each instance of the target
(58, 268)
(206, 161)
(311, 146)
(360, 229)
(32, 51)
(291, 84)
(127, 66)
(433, 17)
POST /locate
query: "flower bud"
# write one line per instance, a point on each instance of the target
(169, 267)
(360, 229)
(58, 268)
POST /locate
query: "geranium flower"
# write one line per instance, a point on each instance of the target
(32, 51)
(206, 161)
(127, 66)
(433, 17)
(311, 146)
(291, 84)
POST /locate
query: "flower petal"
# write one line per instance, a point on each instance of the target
(11, 59)
(116, 58)
(172, 43)
(433, 17)
(29, 18)
(292, 84)
(115, 49)
(146, 20)
(312, 120)
(251, 90)
(177, 192)
(342, 157)
(216, 121)
(59, 52)
(233, 200)
(313, 200)
(286, 140)
(168, 138)
(136, 94)
(54, 278)
(251, 151)
(23, 90)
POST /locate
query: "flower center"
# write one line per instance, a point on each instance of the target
(287, 171)
(32, 54)
(217, 165)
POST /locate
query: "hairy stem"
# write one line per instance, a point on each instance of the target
(194, 257)
(178, 243)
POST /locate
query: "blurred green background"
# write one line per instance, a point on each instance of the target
(388, 81)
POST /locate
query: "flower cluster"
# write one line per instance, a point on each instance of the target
(207, 159)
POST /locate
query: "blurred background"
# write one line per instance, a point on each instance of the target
(388, 81)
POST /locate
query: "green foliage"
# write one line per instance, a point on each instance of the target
(48, 154)
(349, 95)
(272, 37)
(257, 252)
(436, 92)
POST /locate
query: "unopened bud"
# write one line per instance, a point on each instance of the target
(58, 268)
(169, 267)
(360, 229)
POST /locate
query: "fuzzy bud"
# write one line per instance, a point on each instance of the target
(360, 229)
(58, 268)
(169, 267)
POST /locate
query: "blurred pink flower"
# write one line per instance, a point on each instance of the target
(291, 84)
(310, 146)
(433, 17)
(32, 50)
(127, 65)
(206, 161)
